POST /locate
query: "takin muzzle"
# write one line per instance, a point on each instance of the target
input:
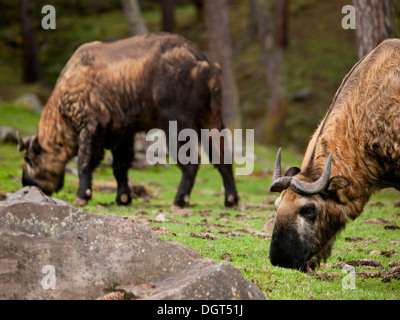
(40, 169)
(308, 217)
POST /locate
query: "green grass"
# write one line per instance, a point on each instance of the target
(249, 253)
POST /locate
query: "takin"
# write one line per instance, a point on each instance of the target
(354, 152)
(106, 93)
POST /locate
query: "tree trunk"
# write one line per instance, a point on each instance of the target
(30, 63)
(374, 23)
(220, 51)
(270, 16)
(133, 14)
(168, 15)
(199, 4)
(282, 7)
(251, 29)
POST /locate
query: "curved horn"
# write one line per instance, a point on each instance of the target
(279, 183)
(23, 143)
(310, 188)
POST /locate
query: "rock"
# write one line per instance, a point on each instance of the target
(162, 217)
(8, 135)
(83, 255)
(31, 101)
(33, 194)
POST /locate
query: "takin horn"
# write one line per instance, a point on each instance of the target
(280, 183)
(23, 143)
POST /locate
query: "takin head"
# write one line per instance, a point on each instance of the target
(41, 168)
(309, 215)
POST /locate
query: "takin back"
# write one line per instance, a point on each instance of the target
(109, 91)
(354, 152)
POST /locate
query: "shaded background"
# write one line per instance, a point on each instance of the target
(282, 60)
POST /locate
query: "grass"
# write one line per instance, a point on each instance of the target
(249, 253)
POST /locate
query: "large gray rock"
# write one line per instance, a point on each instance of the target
(33, 194)
(83, 255)
(8, 135)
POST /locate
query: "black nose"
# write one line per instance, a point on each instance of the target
(288, 251)
(26, 181)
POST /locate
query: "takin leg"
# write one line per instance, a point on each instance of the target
(90, 153)
(122, 159)
(189, 172)
(226, 171)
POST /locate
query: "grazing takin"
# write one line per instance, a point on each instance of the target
(354, 152)
(109, 91)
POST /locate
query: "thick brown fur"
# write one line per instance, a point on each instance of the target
(362, 132)
(109, 91)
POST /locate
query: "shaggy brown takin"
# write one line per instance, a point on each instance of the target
(354, 152)
(109, 91)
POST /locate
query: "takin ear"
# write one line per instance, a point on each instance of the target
(336, 183)
(35, 146)
(292, 171)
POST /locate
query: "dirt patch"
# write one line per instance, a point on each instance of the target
(325, 276)
(207, 235)
(354, 239)
(377, 204)
(163, 230)
(231, 233)
(256, 233)
(392, 264)
(269, 226)
(393, 273)
(256, 206)
(378, 221)
(369, 274)
(227, 257)
(391, 227)
(365, 262)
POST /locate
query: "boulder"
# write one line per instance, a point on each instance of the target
(50, 250)
(31, 101)
(8, 135)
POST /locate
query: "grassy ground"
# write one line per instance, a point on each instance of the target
(239, 232)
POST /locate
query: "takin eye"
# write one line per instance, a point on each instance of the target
(28, 160)
(309, 211)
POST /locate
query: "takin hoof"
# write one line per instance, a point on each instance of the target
(182, 202)
(79, 202)
(124, 199)
(231, 201)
